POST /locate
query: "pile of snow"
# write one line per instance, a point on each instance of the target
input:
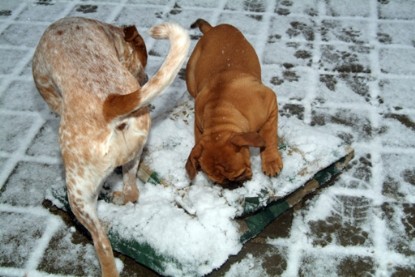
(193, 225)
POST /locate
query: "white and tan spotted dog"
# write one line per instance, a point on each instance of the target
(92, 74)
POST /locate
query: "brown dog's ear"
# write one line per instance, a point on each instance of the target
(192, 164)
(248, 139)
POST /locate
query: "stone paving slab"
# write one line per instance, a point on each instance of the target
(343, 67)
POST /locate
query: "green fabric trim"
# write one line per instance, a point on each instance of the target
(141, 252)
(255, 223)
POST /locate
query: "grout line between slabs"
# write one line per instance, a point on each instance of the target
(379, 235)
(36, 256)
(262, 36)
(316, 57)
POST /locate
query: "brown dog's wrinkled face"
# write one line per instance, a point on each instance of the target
(225, 160)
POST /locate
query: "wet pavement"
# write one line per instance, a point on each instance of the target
(344, 67)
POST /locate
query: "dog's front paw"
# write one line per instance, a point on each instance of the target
(272, 167)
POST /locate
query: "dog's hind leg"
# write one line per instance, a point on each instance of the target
(130, 191)
(45, 85)
(49, 93)
(129, 172)
(82, 196)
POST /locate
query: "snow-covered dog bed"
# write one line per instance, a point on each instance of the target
(180, 229)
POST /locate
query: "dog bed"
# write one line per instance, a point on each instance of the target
(182, 229)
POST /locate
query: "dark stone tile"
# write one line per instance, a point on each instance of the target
(294, 53)
(398, 182)
(345, 59)
(290, 7)
(397, 130)
(346, 226)
(46, 141)
(348, 88)
(401, 33)
(350, 125)
(9, 58)
(43, 11)
(99, 12)
(396, 9)
(397, 95)
(336, 265)
(338, 8)
(289, 110)
(399, 62)
(14, 129)
(21, 35)
(356, 266)
(347, 31)
(272, 260)
(22, 96)
(75, 243)
(27, 184)
(20, 238)
(279, 228)
(400, 223)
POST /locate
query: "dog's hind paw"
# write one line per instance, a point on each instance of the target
(120, 198)
(117, 198)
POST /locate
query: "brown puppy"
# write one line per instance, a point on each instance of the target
(91, 74)
(233, 109)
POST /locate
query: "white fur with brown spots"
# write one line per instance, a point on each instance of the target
(90, 72)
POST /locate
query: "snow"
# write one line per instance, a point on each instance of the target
(364, 220)
(200, 242)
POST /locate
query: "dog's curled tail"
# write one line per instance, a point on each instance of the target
(119, 106)
(202, 24)
(179, 46)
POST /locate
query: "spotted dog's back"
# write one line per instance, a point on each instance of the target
(90, 72)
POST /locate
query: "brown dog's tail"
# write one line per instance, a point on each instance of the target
(202, 24)
(120, 106)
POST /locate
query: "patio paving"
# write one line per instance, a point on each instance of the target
(344, 67)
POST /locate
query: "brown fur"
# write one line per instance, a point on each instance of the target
(233, 109)
(92, 74)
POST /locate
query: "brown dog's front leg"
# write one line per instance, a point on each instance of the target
(270, 156)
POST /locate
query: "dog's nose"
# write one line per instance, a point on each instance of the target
(228, 184)
(245, 175)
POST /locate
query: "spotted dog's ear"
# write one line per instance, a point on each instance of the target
(131, 35)
(130, 32)
(192, 164)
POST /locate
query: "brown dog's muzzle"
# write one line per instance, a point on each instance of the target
(244, 176)
(238, 181)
